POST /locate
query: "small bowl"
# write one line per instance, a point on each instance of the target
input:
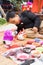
(36, 44)
(41, 42)
(27, 50)
(40, 49)
(32, 47)
(30, 41)
(22, 56)
(35, 53)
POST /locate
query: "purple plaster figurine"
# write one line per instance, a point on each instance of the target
(8, 35)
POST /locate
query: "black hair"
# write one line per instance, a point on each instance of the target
(10, 14)
(26, 63)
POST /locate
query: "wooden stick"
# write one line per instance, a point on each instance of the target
(2, 11)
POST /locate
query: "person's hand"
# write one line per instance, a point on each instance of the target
(21, 31)
(35, 29)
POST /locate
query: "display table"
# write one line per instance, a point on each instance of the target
(3, 50)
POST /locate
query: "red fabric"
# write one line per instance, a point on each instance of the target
(35, 7)
(13, 46)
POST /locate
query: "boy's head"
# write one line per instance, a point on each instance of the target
(12, 17)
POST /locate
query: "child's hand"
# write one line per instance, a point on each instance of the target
(35, 29)
(21, 31)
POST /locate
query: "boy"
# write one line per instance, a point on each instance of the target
(24, 20)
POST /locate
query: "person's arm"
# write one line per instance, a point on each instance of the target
(37, 24)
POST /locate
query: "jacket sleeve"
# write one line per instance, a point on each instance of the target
(32, 17)
(37, 22)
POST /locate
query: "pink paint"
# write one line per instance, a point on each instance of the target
(8, 35)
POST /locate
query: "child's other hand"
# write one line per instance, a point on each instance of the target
(35, 29)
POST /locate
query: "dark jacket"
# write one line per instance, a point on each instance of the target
(28, 20)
